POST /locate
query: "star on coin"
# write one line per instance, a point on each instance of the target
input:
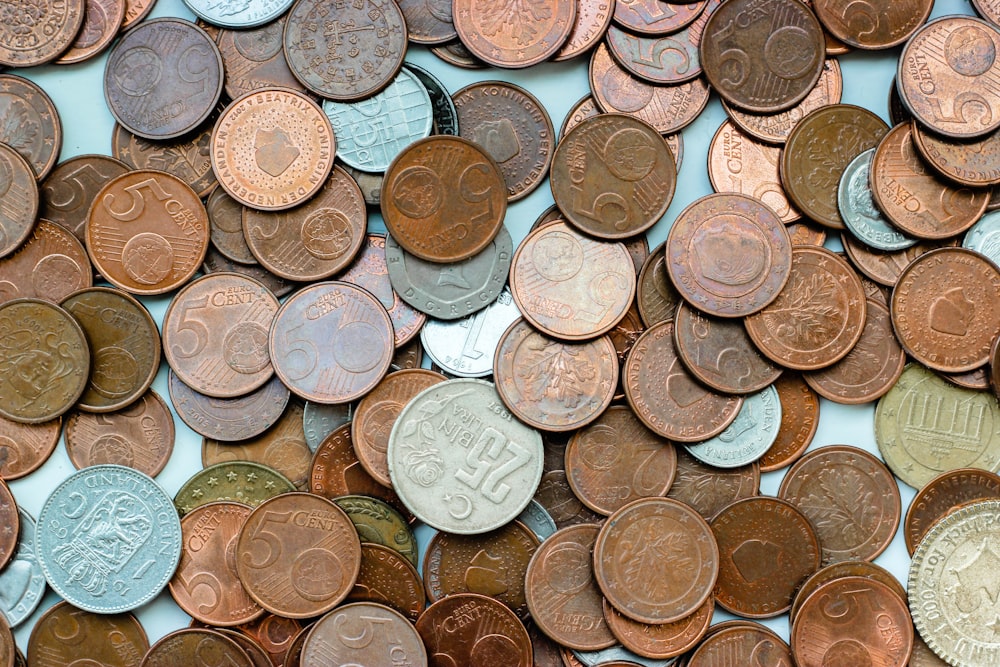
(251, 477)
(212, 481)
(231, 476)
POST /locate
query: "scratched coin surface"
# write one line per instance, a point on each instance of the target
(62, 628)
(432, 476)
(513, 35)
(19, 190)
(333, 640)
(108, 539)
(49, 265)
(943, 494)
(473, 629)
(163, 78)
(630, 176)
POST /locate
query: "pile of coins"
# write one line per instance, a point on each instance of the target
(576, 479)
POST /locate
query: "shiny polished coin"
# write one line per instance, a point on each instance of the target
(860, 215)
(51, 264)
(25, 447)
(298, 555)
(515, 35)
(255, 59)
(945, 309)
(236, 481)
(147, 232)
(466, 347)
(397, 640)
(22, 582)
(918, 438)
(728, 255)
(104, 529)
(163, 78)
(943, 494)
(708, 489)
(331, 342)
(630, 176)
(46, 360)
(570, 286)
(749, 436)
(460, 628)
(432, 477)
(388, 578)
(378, 523)
(229, 419)
(140, 436)
(34, 35)
(20, 193)
(62, 629)
(69, 189)
(188, 645)
(187, 157)
(420, 211)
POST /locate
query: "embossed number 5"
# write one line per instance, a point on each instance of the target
(196, 327)
(269, 539)
(138, 201)
(202, 579)
(302, 346)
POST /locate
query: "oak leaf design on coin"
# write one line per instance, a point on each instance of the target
(518, 17)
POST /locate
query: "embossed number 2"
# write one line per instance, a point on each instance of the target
(484, 476)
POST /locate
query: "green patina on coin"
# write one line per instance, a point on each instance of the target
(237, 481)
(378, 523)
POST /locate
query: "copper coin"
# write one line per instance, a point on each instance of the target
(878, 630)
(428, 22)
(188, 157)
(238, 481)
(215, 262)
(674, 57)
(885, 267)
(225, 220)
(45, 360)
(945, 309)
(617, 460)
(739, 163)
(949, 490)
(273, 149)
(850, 498)
(337, 472)
(258, 656)
(147, 232)
(656, 296)
(766, 65)
(377, 412)
(294, 654)
(666, 397)
(562, 594)
(63, 631)
(140, 436)
(388, 578)
(49, 265)
(720, 354)
(591, 23)
(514, 35)
(20, 200)
(946, 69)
(11, 522)
(666, 108)
(895, 23)
(799, 422)
(215, 334)
(870, 369)
(845, 568)
(386, 637)
(581, 111)
(513, 127)
(455, 53)
(492, 564)
(972, 163)
(977, 379)
(102, 20)
(613, 176)
(743, 645)
(802, 233)
(656, 560)
(193, 645)
(206, 584)
(551, 384)
(661, 641)
(623, 337)
(728, 255)
(29, 122)
(331, 342)
(36, 34)
(840, 132)
(420, 210)
(298, 555)
(255, 59)
(768, 548)
(370, 270)
(817, 318)
(471, 629)
(69, 189)
(163, 79)
(25, 447)
(274, 634)
(570, 286)
(923, 656)
(124, 347)
(546, 653)
(230, 419)
(282, 448)
(708, 489)
(656, 17)
(554, 492)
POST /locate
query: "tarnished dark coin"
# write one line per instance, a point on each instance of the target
(656, 296)
(275, 634)
(147, 232)
(428, 22)
(255, 59)
(25, 447)
(388, 578)
(102, 20)
(163, 78)
(799, 422)
(140, 436)
(10, 519)
(215, 262)
(229, 419)
(69, 189)
(514, 35)
(630, 176)
(445, 113)
(513, 127)
(188, 157)
(765, 65)
(236, 481)
(319, 58)
(225, 224)
(455, 53)
(191, 646)
(61, 630)
(395, 641)
(946, 492)
(19, 190)
(581, 111)
(49, 265)
(377, 522)
(591, 23)
(29, 122)
(36, 34)
(45, 360)
(554, 493)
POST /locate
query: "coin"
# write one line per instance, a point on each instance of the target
(799, 422)
(455, 53)
(591, 23)
(237, 481)
(749, 436)
(45, 358)
(70, 188)
(969, 163)
(22, 582)
(980, 236)
(378, 523)
(742, 644)
(49, 265)
(885, 267)
(396, 640)
(465, 627)
(25, 447)
(255, 58)
(103, 529)
(186, 646)
(660, 641)
(678, 60)
(845, 568)
(653, 17)
(554, 493)
(466, 347)
(337, 472)
(858, 209)
(163, 78)
(20, 193)
(275, 634)
(232, 419)
(272, 149)
(630, 176)
(63, 631)
(943, 494)
(34, 35)
(187, 157)
(102, 20)
(708, 489)
(428, 22)
(388, 578)
(239, 16)
(513, 35)
(656, 296)
(298, 555)
(445, 113)
(30, 122)
(895, 24)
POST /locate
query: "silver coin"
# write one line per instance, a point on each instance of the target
(857, 208)
(538, 520)
(460, 462)
(465, 347)
(22, 582)
(373, 131)
(319, 421)
(749, 436)
(984, 237)
(108, 539)
(616, 653)
(238, 13)
(445, 113)
(229, 419)
(450, 291)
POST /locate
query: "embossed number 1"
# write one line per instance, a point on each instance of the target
(488, 473)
